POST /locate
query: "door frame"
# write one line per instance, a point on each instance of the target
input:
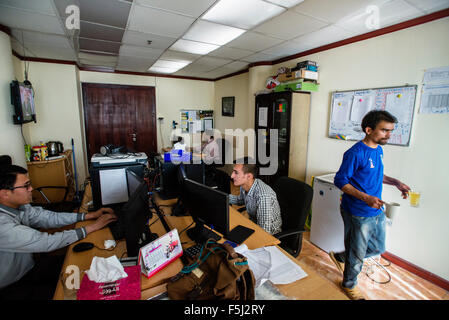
(113, 86)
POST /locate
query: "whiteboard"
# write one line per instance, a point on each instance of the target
(349, 107)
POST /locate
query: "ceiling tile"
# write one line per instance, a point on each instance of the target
(102, 32)
(158, 22)
(324, 36)
(41, 6)
(289, 25)
(396, 11)
(97, 45)
(141, 39)
(52, 52)
(179, 56)
(259, 57)
(112, 13)
(331, 10)
(209, 63)
(230, 53)
(430, 6)
(42, 39)
(141, 52)
(15, 18)
(137, 63)
(190, 8)
(97, 57)
(253, 41)
(210, 32)
(235, 66)
(287, 48)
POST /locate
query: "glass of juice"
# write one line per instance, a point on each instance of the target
(414, 198)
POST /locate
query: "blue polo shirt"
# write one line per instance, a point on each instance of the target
(363, 168)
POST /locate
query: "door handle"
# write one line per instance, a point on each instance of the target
(134, 135)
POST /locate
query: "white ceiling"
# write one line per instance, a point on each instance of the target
(114, 34)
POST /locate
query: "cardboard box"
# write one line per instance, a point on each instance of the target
(300, 74)
(297, 85)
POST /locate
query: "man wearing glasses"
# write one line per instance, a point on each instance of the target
(20, 276)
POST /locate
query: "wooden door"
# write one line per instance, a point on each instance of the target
(119, 115)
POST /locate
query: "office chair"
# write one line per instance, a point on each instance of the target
(295, 199)
(57, 206)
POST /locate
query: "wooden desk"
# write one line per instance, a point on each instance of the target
(313, 287)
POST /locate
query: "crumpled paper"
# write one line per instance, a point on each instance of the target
(106, 270)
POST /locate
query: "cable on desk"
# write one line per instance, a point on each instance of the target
(186, 228)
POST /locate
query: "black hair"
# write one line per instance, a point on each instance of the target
(249, 166)
(372, 119)
(8, 175)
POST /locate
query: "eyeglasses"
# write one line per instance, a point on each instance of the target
(26, 186)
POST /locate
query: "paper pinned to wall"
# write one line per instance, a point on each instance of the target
(435, 91)
(362, 103)
(263, 117)
(341, 110)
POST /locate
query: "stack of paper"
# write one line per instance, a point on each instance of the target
(269, 263)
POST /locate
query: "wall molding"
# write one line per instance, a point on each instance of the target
(429, 276)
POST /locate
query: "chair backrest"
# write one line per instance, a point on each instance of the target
(295, 199)
(5, 160)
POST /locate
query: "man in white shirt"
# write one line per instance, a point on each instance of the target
(210, 152)
(180, 145)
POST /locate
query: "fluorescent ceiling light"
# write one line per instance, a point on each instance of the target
(162, 70)
(244, 14)
(170, 64)
(209, 32)
(193, 47)
(286, 3)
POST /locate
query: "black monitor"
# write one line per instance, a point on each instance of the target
(210, 207)
(134, 216)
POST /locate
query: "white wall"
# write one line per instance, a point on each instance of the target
(56, 103)
(11, 141)
(418, 235)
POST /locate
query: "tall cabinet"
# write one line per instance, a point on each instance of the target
(289, 113)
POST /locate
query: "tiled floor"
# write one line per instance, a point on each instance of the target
(403, 285)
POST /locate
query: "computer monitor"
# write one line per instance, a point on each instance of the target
(210, 207)
(133, 217)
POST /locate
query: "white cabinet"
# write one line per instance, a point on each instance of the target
(326, 230)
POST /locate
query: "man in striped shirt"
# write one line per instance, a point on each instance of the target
(260, 200)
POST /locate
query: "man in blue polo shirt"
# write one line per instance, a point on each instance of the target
(360, 177)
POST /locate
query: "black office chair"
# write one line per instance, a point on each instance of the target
(295, 198)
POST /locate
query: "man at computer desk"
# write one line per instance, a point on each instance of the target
(21, 277)
(259, 199)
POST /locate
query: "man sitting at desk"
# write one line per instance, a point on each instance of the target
(20, 276)
(210, 151)
(260, 200)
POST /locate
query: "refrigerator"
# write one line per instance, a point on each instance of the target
(326, 230)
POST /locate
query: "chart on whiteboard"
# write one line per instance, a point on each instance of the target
(349, 107)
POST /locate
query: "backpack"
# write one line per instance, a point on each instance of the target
(218, 273)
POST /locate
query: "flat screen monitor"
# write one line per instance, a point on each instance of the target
(134, 216)
(22, 98)
(209, 206)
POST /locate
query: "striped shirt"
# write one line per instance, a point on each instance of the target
(262, 206)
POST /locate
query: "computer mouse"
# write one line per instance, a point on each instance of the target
(83, 246)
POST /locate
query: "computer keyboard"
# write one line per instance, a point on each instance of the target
(193, 251)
